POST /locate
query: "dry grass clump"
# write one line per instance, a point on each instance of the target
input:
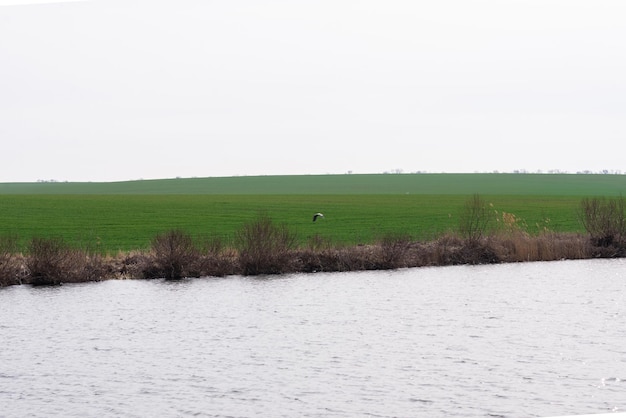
(393, 250)
(451, 249)
(548, 246)
(390, 252)
(362, 257)
(513, 243)
(131, 265)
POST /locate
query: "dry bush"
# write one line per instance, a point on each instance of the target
(393, 250)
(475, 219)
(438, 251)
(361, 257)
(173, 256)
(319, 255)
(51, 261)
(418, 254)
(92, 266)
(394, 253)
(358, 258)
(216, 259)
(604, 220)
(265, 248)
(453, 250)
(9, 262)
(310, 260)
(478, 252)
(47, 261)
(218, 264)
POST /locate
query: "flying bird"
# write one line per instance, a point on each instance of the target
(317, 215)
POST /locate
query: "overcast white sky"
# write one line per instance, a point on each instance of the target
(114, 90)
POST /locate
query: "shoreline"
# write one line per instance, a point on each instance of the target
(173, 256)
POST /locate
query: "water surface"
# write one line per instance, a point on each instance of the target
(514, 340)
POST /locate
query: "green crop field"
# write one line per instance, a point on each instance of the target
(491, 184)
(357, 208)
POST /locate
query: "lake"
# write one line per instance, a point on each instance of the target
(511, 340)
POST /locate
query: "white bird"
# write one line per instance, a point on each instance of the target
(317, 215)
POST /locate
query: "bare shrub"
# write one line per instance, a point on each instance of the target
(322, 254)
(216, 261)
(440, 250)
(90, 266)
(319, 255)
(311, 260)
(219, 265)
(9, 265)
(174, 254)
(418, 254)
(604, 220)
(217, 258)
(264, 247)
(475, 219)
(357, 258)
(51, 261)
(452, 250)
(360, 257)
(47, 260)
(478, 252)
(393, 250)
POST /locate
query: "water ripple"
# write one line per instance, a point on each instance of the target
(534, 339)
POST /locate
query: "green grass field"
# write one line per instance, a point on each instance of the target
(358, 208)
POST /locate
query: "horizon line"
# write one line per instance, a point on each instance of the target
(495, 172)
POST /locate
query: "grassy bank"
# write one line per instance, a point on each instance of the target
(175, 255)
(261, 246)
(110, 228)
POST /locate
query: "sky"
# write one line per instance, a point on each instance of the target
(110, 90)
